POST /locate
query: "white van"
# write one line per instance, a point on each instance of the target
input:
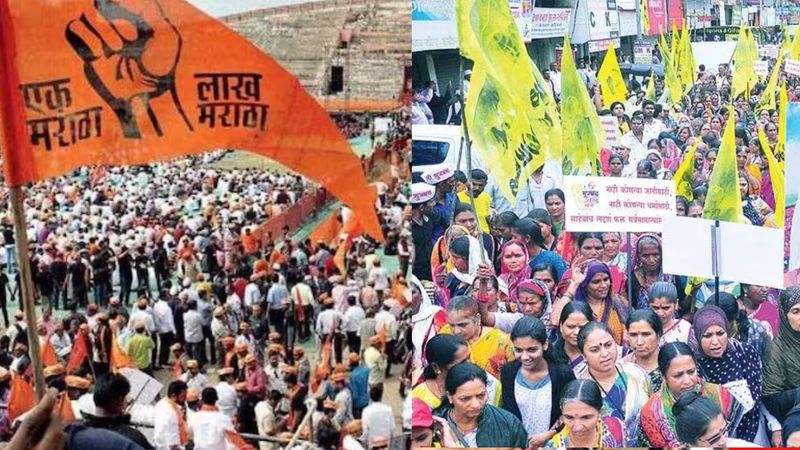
(437, 144)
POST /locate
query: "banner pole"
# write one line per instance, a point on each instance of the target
(26, 289)
(715, 256)
(629, 269)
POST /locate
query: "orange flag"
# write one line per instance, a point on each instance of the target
(238, 442)
(49, 357)
(119, 358)
(327, 230)
(98, 82)
(78, 354)
(21, 398)
(63, 408)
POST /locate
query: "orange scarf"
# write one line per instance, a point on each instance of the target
(182, 432)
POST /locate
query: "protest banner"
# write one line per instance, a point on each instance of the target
(745, 253)
(611, 127)
(617, 204)
(761, 68)
(791, 66)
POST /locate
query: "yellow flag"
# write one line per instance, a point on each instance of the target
(794, 49)
(780, 149)
(583, 136)
(674, 40)
(645, 18)
(744, 75)
(684, 176)
(610, 78)
(768, 97)
(650, 92)
(724, 201)
(671, 81)
(686, 64)
(777, 177)
(511, 116)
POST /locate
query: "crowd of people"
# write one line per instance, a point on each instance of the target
(160, 269)
(525, 333)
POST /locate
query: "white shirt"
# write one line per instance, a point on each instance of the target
(165, 322)
(61, 344)
(252, 294)
(381, 278)
(654, 128)
(193, 326)
(208, 428)
(304, 293)
(377, 420)
(142, 316)
(386, 319)
(325, 322)
(531, 194)
(265, 419)
(638, 148)
(226, 398)
(165, 433)
(195, 383)
(353, 318)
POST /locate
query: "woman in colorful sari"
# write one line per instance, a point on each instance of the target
(643, 334)
(611, 254)
(755, 209)
(533, 382)
(591, 283)
(527, 231)
(468, 416)
(678, 367)
(664, 302)
(564, 347)
(584, 425)
(591, 247)
(625, 386)
(514, 268)
(489, 348)
(648, 269)
(729, 362)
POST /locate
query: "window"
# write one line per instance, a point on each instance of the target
(424, 153)
(336, 84)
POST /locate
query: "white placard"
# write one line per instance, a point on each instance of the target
(761, 68)
(748, 254)
(601, 46)
(642, 53)
(611, 126)
(617, 204)
(791, 66)
(752, 255)
(770, 51)
(144, 388)
(683, 238)
(382, 124)
(549, 22)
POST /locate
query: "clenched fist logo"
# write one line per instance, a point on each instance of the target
(130, 51)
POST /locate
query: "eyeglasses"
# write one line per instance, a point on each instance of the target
(723, 433)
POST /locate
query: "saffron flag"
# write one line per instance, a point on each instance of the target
(237, 441)
(79, 353)
(21, 397)
(684, 176)
(511, 116)
(327, 230)
(101, 82)
(583, 135)
(610, 77)
(777, 176)
(63, 408)
(49, 357)
(724, 201)
(119, 358)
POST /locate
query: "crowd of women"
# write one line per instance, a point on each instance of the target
(528, 335)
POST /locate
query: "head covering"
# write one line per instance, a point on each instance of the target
(175, 347)
(290, 369)
(421, 193)
(75, 382)
(225, 371)
(707, 316)
(513, 279)
(421, 414)
(274, 349)
(274, 336)
(474, 259)
(54, 370)
(437, 173)
(783, 368)
(592, 269)
(353, 358)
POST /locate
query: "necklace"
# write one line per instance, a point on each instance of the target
(602, 389)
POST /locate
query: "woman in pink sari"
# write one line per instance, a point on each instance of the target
(514, 267)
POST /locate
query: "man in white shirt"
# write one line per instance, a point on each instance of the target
(226, 392)
(652, 125)
(165, 327)
(192, 377)
(141, 312)
(352, 319)
(207, 427)
(329, 321)
(385, 319)
(303, 297)
(377, 418)
(252, 292)
(379, 276)
(531, 193)
(266, 419)
(61, 341)
(168, 418)
(636, 140)
(193, 331)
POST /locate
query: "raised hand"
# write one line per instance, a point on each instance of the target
(130, 51)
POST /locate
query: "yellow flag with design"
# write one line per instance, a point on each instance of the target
(794, 48)
(724, 201)
(684, 176)
(583, 135)
(671, 81)
(511, 117)
(686, 62)
(612, 84)
(744, 74)
(768, 97)
(783, 104)
(777, 177)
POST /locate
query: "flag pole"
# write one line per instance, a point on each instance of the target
(16, 198)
